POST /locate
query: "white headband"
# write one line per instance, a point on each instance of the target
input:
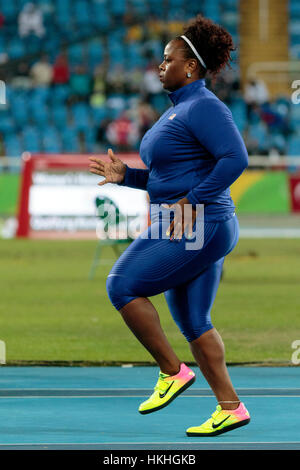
(195, 51)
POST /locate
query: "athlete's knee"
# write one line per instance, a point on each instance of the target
(210, 346)
(192, 332)
(114, 289)
(118, 291)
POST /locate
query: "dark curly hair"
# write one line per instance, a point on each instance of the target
(211, 40)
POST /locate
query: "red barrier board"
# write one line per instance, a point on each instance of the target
(37, 163)
(295, 193)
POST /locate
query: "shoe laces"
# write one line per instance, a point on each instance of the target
(161, 384)
(217, 412)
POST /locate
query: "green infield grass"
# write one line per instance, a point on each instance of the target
(9, 186)
(50, 311)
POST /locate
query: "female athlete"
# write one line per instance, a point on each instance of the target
(193, 153)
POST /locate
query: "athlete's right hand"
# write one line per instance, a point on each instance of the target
(113, 171)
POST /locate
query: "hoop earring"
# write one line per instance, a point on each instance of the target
(188, 74)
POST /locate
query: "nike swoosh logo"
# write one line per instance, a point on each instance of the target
(221, 422)
(162, 395)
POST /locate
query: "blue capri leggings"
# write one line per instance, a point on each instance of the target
(189, 279)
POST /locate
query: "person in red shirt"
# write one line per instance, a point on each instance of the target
(123, 133)
(61, 73)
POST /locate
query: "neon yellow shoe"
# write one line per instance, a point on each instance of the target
(222, 421)
(167, 388)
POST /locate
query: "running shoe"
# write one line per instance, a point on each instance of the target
(167, 388)
(222, 421)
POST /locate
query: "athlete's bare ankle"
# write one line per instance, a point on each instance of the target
(228, 405)
(171, 370)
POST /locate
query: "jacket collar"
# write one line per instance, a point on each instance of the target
(185, 91)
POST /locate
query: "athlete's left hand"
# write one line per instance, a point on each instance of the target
(181, 224)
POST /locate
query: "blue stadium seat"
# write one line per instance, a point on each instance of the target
(116, 54)
(69, 139)
(51, 140)
(13, 145)
(141, 7)
(59, 94)
(90, 139)
(81, 116)
(156, 47)
(32, 44)
(39, 114)
(260, 134)
(295, 114)
(8, 9)
(19, 109)
(40, 94)
(238, 110)
(279, 142)
(100, 16)
(295, 50)
(211, 10)
(118, 7)
(159, 102)
(82, 13)
(294, 9)
(3, 48)
(53, 46)
(59, 115)
(98, 114)
(154, 6)
(65, 23)
(176, 4)
(63, 10)
(230, 21)
(15, 48)
(94, 53)
(19, 4)
(294, 146)
(7, 125)
(294, 26)
(76, 54)
(134, 55)
(31, 140)
(230, 4)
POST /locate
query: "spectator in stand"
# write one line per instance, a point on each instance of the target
(116, 79)
(175, 25)
(80, 83)
(31, 21)
(227, 85)
(123, 133)
(101, 135)
(99, 87)
(156, 27)
(21, 78)
(144, 116)
(42, 72)
(276, 122)
(99, 83)
(61, 72)
(134, 79)
(2, 20)
(135, 33)
(97, 99)
(255, 95)
(151, 83)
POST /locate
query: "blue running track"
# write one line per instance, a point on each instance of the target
(96, 408)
